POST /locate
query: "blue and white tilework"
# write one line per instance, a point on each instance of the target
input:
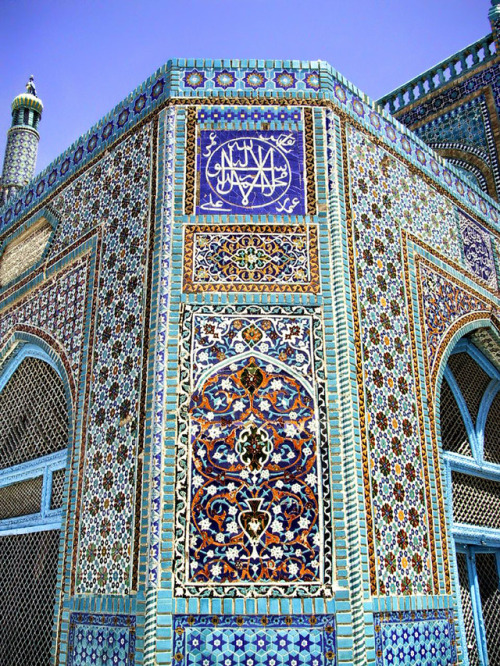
(420, 638)
(107, 640)
(252, 640)
(478, 251)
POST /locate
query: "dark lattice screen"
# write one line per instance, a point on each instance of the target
(492, 432)
(33, 414)
(470, 633)
(453, 432)
(21, 499)
(57, 489)
(487, 574)
(472, 380)
(476, 501)
(28, 572)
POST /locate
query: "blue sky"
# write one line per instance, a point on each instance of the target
(87, 55)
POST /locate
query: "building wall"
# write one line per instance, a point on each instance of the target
(246, 256)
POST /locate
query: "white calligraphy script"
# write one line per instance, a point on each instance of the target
(248, 166)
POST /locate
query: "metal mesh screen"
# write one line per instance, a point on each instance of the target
(476, 501)
(57, 489)
(487, 574)
(492, 432)
(28, 573)
(472, 380)
(21, 499)
(470, 632)
(453, 432)
(33, 414)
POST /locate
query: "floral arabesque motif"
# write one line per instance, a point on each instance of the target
(254, 488)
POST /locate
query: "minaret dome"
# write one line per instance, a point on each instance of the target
(22, 142)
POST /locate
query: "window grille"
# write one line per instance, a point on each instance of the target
(476, 500)
(57, 488)
(453, 432)
(492, 432)
(470, 632)
(33, 414)
(487, 574)
(21, 499)
(472, 381)
(28, 575)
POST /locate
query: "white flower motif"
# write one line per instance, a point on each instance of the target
(277, 552)
(214, 431)
(307, 450)
(293, 415)
(264, 347)
(317, 539)
(231, 458)
(245, 474)
(239, 347)
(270, 368)
(211, 490)
(276, 384)
(304, 522)
(290, 430)
(300, 358)
(216, 569)
(296, 488)
(238, 406)
(233, 510)
(197, 481)
(279, 483)
(311, 479)
(203, 356)
(232, 553)
(220, 538)
(231, 486)
(217, 455)
(205, 523)
(293, 568)
(276, 457)
(265, 405)
(276, 525)
(210, 416)
(276, 509)
(226, 384)
(264, 474)
(210, 553)
(232, 527)
(289, 535)
(312, 425)
(233, 367)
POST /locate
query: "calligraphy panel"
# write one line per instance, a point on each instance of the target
(251, 258)
(252, 504)
(478, 251)
(251, 171)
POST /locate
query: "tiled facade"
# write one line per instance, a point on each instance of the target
(253, 281)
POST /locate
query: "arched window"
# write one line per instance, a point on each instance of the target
(470, 435)
(34, 432)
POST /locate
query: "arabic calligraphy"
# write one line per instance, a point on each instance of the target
(251, 170)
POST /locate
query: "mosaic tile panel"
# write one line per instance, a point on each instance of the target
(444, 302)
(108, 640)
(20, 156)
(57, 306)
(422, 638)
(252, 640)
(111, 192)
(251, 258)
(250, 171)
(478, 251)
(381, 203)
(253, 508)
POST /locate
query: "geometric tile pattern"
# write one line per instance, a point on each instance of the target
(422, 638)
(251, 258)
(444, 302)
(117, 191)
(101, 639)
(20, 156)
(478, 251)
(252, 640)
(381, 205)
(253, 513)
(250, 171)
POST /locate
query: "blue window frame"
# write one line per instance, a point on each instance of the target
(475, 525)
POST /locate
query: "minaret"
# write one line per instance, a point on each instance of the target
(22, 142)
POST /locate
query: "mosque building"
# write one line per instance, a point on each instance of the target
(250, 372)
